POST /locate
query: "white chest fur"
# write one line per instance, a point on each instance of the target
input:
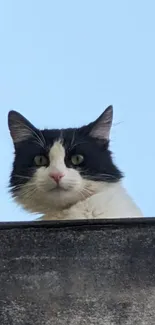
(111, 201)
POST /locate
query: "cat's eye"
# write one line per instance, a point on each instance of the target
(77, 159)
(41, 161)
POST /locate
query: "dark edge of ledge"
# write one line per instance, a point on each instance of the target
(78, 224)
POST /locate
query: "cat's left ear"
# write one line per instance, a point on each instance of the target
(100, 129)
(20, 128)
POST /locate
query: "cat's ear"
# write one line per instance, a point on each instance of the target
(100, 129)
(20, 128)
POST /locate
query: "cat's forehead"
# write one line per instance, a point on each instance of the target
(66, 137)
(57, 151)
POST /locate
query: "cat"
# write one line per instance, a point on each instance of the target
(68, 173)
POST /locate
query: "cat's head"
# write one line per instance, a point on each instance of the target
(54, 169)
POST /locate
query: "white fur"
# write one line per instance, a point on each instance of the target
(112, 201)
(76, 197)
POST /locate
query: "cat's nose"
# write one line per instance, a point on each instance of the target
(56, 176)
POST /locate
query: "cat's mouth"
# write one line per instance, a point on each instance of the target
(58, 189)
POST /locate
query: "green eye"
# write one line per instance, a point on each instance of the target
(41, 161)
(77, 159)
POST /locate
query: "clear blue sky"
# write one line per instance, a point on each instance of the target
(63, 62)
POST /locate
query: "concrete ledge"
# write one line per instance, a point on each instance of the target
(99, 272)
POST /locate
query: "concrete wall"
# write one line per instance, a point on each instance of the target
(77, 273)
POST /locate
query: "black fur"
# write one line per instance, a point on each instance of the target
(97, 165)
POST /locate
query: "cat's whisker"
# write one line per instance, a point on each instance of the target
(43, 138)
(24, 185)
(76, 144)
(25, 193)
(72, 181)
(73, 138)
(85, 192)
(40, 141)
(28, 185)
(106, 174)
(83, 196)
(61, 139)
(99, 176)
(22, 176)
(88, 191)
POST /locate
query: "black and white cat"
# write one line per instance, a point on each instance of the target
(68, 173)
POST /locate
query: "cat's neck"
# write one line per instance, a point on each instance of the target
(109, 201)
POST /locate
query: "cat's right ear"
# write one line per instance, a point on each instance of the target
(100, 129)
(20, 128)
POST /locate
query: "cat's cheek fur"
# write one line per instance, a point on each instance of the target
(72, 180)
(40, 194)
(112, 201)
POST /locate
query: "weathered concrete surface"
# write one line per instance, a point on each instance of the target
(78, 273)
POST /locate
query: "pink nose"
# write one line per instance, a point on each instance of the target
(56, 176)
